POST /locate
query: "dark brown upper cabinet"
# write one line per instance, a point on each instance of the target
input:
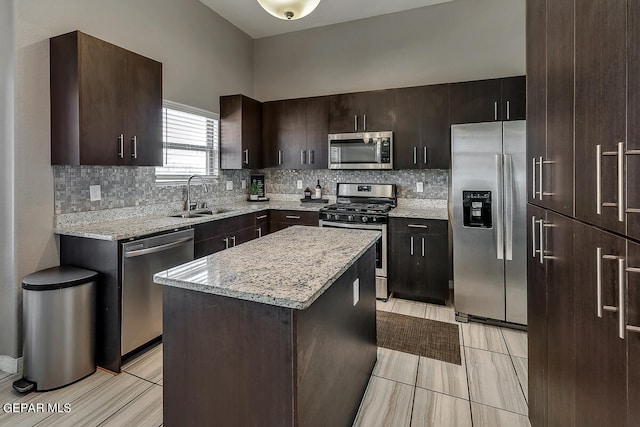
(600, 112)
(361, 111)
(550, 86)
(106, 104)
(421, 130)
(488, 100)
(294, 133)
(240, 132)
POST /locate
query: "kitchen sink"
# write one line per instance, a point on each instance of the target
(201, 213)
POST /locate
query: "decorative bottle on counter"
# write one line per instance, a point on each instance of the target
(318, 191)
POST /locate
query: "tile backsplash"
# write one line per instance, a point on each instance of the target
(135, 187)
(435, 181)
(131, 187)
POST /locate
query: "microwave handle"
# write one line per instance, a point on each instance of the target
(379, 151)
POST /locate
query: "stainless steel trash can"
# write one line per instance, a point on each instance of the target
(59, 326)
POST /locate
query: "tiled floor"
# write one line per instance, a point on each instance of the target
(487, 390)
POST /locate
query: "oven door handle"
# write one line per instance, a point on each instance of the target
(351, 225)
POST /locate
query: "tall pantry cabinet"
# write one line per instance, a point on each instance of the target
(583, 149)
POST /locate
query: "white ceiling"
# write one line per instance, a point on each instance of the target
(249, 16)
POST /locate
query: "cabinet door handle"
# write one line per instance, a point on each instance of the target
(292, 217)
(423, 247)
(226, 242)
(355, 123)
(621, 307)
(233, 239)
(121, 143)
(259, 232)
(541, 231)
(279, 157)
(632, 328)
(411, 243)
(261, 217)
(364, 121)
(540, 183)
(621, 183)
(417, 226)
(134, 141)
(495, 110)
(303, 157)
(312, 157)
(508, 112)
(533, 178)
(246, 156)
(619, 153)
(533, 237)
(425, 155)
(415, 155)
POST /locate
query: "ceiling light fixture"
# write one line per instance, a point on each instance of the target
(289, 9)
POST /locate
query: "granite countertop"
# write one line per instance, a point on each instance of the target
(441, 213)
(265, 270)
(143, 225)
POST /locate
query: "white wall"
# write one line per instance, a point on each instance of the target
(455, 41)
(9, 293)
(203, 57)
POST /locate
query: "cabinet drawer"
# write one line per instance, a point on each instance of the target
(222, 226)
(295, 217)
(420, 226)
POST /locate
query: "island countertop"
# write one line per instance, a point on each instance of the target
(290, 268)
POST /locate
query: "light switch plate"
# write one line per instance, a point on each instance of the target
(299, 184)
(229, 185)
(243, 184)
(356, 291)
(419, 187)
(94, 193)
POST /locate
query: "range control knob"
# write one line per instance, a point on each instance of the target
(336, 217)
(327, 216)
(350, 218)
(374, 219)
(365, 218)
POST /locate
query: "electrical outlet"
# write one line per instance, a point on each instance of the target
(356, 291)
(94, 193)
(243, 184)
(419, 187)
(229, 185)
(299, 184)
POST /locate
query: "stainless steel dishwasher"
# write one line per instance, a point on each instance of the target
(141, 298)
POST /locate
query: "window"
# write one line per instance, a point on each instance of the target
(190, 143)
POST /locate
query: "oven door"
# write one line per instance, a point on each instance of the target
(381, 243)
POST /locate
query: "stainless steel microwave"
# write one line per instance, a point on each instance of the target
(362, 150)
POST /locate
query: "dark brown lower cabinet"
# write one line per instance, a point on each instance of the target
(601, 362)
(231, 362)
(536, 321)
(418, 258)
(281, 219)
(551, 321)
(633, 333)
(215, 236)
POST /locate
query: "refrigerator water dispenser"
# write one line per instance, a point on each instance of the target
(476, 207)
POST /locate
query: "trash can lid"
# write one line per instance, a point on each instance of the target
(64, 276)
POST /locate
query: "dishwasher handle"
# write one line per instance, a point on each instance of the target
(156, 249)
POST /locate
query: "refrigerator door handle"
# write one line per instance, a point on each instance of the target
(508, 205)
(499, 212)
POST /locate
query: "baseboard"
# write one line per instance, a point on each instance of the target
(10, 365)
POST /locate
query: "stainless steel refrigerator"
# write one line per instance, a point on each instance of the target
(488, 216)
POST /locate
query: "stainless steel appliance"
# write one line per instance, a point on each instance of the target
(141, 298)
(488, 215)
(366, 207)
(368, 150)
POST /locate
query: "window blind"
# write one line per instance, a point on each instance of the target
(190, 143)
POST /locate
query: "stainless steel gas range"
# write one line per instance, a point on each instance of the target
(365, 207)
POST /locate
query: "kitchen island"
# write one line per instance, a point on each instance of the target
(278, 331)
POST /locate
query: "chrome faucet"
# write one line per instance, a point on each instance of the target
(204, 184)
